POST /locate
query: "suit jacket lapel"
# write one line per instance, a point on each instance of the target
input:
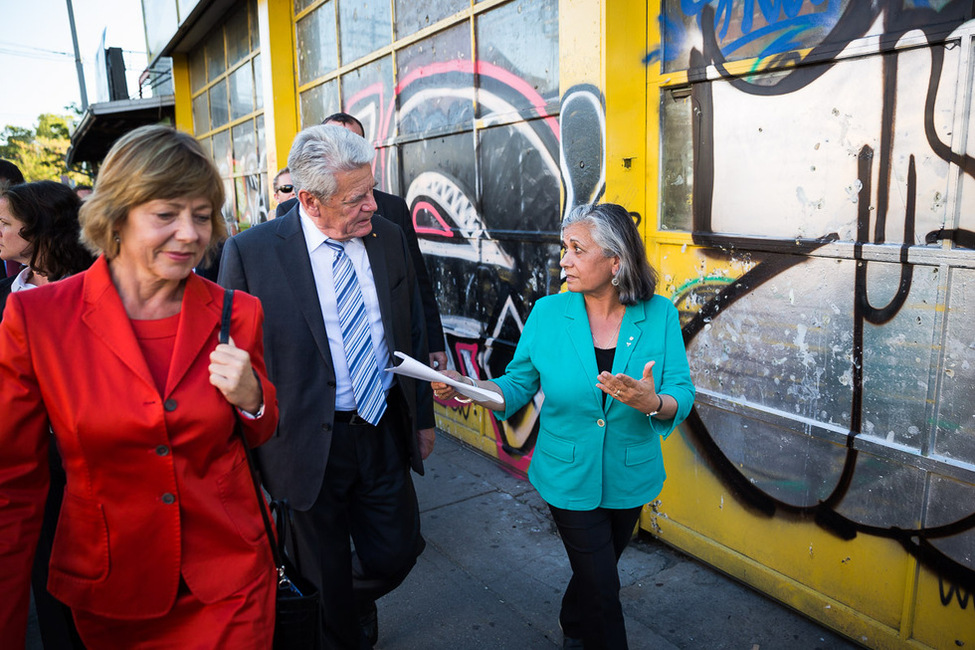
(198, 319)
(631, 329)
(292, 254)
(376, 250)
(580, 336)
(105, 316)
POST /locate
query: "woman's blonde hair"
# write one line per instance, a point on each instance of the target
(149, 163)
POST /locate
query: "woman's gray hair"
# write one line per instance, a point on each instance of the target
(320, 152)
(613, 230)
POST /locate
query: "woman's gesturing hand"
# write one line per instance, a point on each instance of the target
(641, 394)
(231, 372)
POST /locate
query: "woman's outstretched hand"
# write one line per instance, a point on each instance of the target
(641, 394)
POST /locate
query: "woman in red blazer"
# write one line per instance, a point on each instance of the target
(160, 541)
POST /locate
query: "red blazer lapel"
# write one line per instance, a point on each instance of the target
(105, 316)
(198, 321)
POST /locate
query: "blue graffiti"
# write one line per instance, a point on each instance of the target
(786, 25)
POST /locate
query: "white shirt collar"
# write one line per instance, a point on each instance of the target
(315, 237)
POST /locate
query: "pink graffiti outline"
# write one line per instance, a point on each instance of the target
(426, 205)
(488, 70)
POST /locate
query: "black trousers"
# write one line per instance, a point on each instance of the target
(594, 541)
(54, 618)
(367, 495)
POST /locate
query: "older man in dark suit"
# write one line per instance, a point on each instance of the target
(395, 209)
(340, 296)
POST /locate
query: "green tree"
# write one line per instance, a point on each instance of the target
(39, 152)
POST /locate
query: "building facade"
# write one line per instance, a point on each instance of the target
(802, 171)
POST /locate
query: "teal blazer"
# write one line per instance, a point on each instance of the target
(587, 456)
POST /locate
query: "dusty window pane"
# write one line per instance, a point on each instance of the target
(261, 153)
(520, 189)
(219, 114)
(258, 84)
(956, 420)
(201, 114)
(367, 93)
(520, 179)
(412, 16)
(896, 354)
(796, 468)
(364, 26)
(238, 41)
(248, 199)
(832, 118)
(198, 69)
(785, 346)
(521, 38)
(241, 92)
(318, 103)
(432, 100)
(216, 63)
(677, 164)
(387, 170)
(229, 210)
(316, 44)
(300, 5)
(207, 146)
(223, 153)
(245, 148)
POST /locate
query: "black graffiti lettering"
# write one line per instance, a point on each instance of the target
(954, 591)
(875, 177)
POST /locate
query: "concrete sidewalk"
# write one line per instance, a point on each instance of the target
(494, 569)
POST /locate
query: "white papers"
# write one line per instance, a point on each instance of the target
(410, 367)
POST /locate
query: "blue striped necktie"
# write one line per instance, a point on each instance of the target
(370, 400)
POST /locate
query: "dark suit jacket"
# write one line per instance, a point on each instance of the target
(395, 209)
(6, 285)
(271, 261)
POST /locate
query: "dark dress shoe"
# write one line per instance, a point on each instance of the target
(568, 643)
(369, 624)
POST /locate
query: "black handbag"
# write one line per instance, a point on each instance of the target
(297, 624)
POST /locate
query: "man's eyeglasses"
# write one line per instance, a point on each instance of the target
(284, 189)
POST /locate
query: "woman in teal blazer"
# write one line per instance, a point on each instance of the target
(610, 359)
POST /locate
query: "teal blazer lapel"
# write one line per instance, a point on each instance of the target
(580, 337)
(631, 330)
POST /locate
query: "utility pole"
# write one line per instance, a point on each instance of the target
(77, 58)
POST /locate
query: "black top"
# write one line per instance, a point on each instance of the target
(604, 361)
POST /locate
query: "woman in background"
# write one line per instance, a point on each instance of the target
(39, 229)
(610, 359)
(160, 542)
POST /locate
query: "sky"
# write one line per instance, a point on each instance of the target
(37, 65)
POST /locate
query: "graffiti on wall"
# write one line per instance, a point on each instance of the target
(488, 231)
(836, 363)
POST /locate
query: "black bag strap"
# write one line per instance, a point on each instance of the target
(228, 304)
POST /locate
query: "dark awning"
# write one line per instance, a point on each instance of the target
(105, 122)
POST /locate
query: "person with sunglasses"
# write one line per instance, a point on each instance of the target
(283, 189)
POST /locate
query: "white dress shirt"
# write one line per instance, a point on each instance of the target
(20, 282)
(321, 257)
